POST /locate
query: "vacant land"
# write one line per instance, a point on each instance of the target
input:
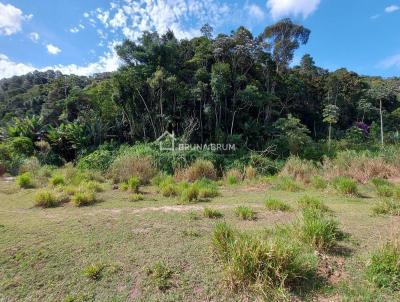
(112, 250)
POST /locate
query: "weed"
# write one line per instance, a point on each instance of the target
(191, 233)
(384, 266)
(378, 181)
(345, 185)
(276, 205)
(57, 180)
(285, 183)
(136, 197)
(25, 180)
(299, 169)
(233, 176)
(198, 170)
(190, 194)
(318, 182)
(310, 202)
(45, 199)
(211, 213)
(160, 274)
(385, 191)
(245, 213)
(387, 207)
(207, 188)
(83, 198)
(93, 271)
(93, 186)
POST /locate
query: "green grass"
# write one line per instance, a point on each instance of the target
(387, 207)
(93, 271)
(25, 180)
(277, 205)
(160, 275)
(46, 199)
(245, 213)
(312, 202)
(211, 213)
(286, 183)
(318, 182)
(345, 185)
(44, 252)
(136, 197)
(83, 198)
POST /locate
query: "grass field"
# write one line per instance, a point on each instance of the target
(112, 250)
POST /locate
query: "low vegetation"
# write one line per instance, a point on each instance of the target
(212, 213)
(311, 202)
(25, 180)
(345, 185)
(274, 204)
(245, 213)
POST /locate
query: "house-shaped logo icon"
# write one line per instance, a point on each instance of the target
(167, 141)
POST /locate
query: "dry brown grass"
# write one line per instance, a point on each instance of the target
(250, 172)
(233, 176)
(359, 167)
(128, 165)
(198, 170)
(299, 169)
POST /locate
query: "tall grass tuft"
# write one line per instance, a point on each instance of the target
(317, 182)
(311, 202)
(299, 169)
(286, 183)
(245, 213)
(211, 213)
(127, 165)
(199, 169)
(276, 205)
(25, 180)
(345, 185)
(384, 266)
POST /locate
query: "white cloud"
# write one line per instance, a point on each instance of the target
(255, 11)
(107, 63)
(284, 8)
(390, 62)
(52, 49)
(34, 37)
(11, 19)
(74, 30)
(391, 8)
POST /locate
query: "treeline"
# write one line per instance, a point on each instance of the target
(235, 88)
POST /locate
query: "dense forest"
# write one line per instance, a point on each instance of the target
(235, 88)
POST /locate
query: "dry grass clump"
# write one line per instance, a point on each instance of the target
(128, 165)
(233, 176)
(299, 169)
(359, 166)
(250, 172)
(198, 170)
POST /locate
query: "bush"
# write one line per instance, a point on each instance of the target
(310, 202)
(160, 275)
(210, 213)
(83, 198)
(31, 165)
(233, 176)
(45, 199)
(190, 194)
(384, 266)
(198, 170)
(25, 180)
(318, 182)
(127, 165)
(276, 205)
(345, 185)
(57, 180)
(93, 271)
(245, 213)
(269, 266)
(169, 190)
(136, 197)
(387, 207)
(98, 160)
(318, 230)
(207, 188)
(285, 183)
(299, 169)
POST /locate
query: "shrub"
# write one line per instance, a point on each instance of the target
(276, 205)
(387, 206)
(83, 198)
(318, 182)
(211, 213)
(198, 170)
(384, 266)
(31, 165)
(45, 199)
(265, 265)
(25, 180)
(285, 183)
(233, 176)
(98, 160)
(245, 213)
(190, 194)
(127, 165)
(310, 202)
(57, 180)
(207, 188)
(160, 274)
(299, 169)
(345, 185)
(136, 197)
(93, 271)
(318, 230)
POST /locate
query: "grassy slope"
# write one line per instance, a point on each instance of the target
(44, 251)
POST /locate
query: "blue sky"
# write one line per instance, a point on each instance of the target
(77, 36)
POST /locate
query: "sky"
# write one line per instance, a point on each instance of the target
(79, 37)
